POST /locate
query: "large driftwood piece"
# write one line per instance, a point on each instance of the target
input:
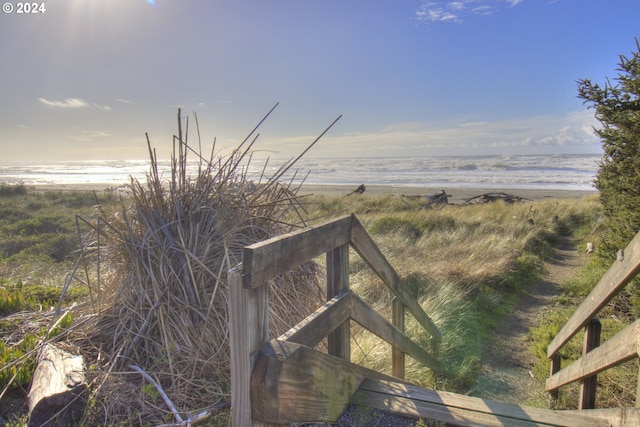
(492, 197)
(57, 394)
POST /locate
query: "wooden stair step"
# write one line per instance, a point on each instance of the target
(460, 410)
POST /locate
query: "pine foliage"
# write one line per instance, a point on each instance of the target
(617, 108)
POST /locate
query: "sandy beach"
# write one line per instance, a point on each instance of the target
(458, 195)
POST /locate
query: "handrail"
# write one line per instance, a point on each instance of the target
(623, 346)
(617, 277)
(368, 250)
(265, 260)
(620, 348)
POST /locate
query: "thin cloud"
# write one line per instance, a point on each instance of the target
(89, 135)
(67, 103)
(534, 135)
(72, 103)
(455, 11)
(102, 107)
(482, 10)
(124, 101)
(434, 12)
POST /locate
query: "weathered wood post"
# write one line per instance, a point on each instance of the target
(248, 329)
(589, 385)
(397, 355)
(338, 341)
(637, 405)
(555, 368)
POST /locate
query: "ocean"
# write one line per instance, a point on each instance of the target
(551, 172)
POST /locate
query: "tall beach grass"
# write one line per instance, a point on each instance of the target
(466, 264)
(156, 288)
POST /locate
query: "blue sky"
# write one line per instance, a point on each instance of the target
(87, 78)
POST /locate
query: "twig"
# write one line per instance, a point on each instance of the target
(198, 417)
(166, 399)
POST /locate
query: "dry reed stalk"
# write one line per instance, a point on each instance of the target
(163, 262)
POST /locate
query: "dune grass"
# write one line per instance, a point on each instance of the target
(466, 265)
(617, 386)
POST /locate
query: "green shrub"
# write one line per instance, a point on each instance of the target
(8, 190)
(18, 361)
(20, 298)
(11, 301)
(45, 224)
(15, 364)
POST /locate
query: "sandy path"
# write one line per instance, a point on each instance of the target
(506, 367)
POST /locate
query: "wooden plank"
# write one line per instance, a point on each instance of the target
(616, 278)
(370, 253)
(315, 327)
(455, 409)
(339, 340)
(616, 417)
(406, 407)
(397, 355)
(621, 347)
(248, 329)
(374, 322)
(267, 259)
(293, 383)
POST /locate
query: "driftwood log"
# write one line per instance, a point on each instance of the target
(438, 199)
(360, 190)
(58, 389)
(492, 197)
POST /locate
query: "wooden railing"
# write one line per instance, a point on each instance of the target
(596, 358)
(285, 380)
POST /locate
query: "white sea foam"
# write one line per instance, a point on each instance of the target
(568, 172)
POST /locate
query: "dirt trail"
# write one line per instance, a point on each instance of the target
(506, 368)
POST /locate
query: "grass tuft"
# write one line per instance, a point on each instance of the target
(161, 301)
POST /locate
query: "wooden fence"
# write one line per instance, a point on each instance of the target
(596, 358)
(285, 380)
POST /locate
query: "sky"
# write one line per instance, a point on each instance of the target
(86, 79)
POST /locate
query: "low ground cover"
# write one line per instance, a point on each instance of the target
(465, 264)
